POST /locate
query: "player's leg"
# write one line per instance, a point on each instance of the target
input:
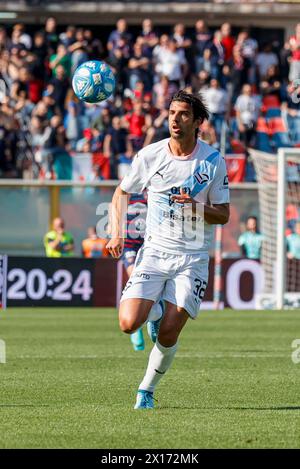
(133, 313)
(183, 295)
(142, 290)
(154, 319)
(162, 354)
(137, 337)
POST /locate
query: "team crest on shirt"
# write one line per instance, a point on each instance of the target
(202, 178)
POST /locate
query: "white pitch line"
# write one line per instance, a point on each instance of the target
(186, 355)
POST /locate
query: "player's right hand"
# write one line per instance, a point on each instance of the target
(115, 247)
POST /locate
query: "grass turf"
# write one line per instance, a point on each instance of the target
(71, 377)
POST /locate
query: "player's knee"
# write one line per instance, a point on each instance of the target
(167, 338)
(127, 325)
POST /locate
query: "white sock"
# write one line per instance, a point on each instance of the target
(155, 312)
(160, 360)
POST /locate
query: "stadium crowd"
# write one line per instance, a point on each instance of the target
(250, 90)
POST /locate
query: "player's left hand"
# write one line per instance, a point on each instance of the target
(182, 198)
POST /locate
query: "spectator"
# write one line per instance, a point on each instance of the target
(5, 42)
(218, 54)
(24, 38)
(228, 41)
(68, 38)
(265, 59)
(208, 134)
(246, 114)
(202, 41)
(94, 46)
(294, 47)
(117, 145)
(78, 51)
(200, 82)
(52, 38)
(172, 64)
(55, 144)
(58, 242)
(148, 37)
(208, 63)
(158, 54)
(39, 49)
(249, 47)
(251, 240)
(60, 58)
(293, 243)
(163, 90)
(60, 85)
(72, 124)
(159, 128)
(238, 67)
(92, 246)
(8, 140)
(137, 123)
(120, 38)
(271, 84)
(217, 101)
(183, 42)
(139, 68)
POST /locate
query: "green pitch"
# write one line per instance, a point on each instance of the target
(70, 381)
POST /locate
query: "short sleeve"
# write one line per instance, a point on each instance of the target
(136, 179)
(219, 189)
(241, 240)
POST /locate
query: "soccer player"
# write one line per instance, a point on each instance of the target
(187, 193)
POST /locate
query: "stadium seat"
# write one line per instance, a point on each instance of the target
(262, 136)
(262, 125)
(277, 125)
(270, 101)
(263, 142)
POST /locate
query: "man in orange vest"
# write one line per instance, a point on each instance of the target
(93, 246)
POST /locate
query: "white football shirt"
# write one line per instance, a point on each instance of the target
(173, 227)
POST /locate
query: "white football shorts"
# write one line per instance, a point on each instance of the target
(180, 279)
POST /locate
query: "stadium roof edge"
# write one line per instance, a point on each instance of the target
(279, 14)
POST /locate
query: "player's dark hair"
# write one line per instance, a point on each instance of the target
(196, 102)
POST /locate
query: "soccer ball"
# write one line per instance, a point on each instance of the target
(93, 81)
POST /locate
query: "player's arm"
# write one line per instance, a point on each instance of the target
(217, 214)
(118, 214)
(134, 181)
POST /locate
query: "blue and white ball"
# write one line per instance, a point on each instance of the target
(93, 81)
